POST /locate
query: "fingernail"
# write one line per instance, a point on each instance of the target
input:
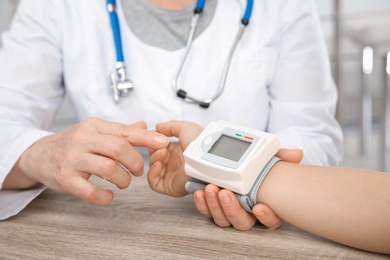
(160, 139)
(210, 194)
(225, 200)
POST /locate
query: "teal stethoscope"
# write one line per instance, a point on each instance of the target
(122, 86)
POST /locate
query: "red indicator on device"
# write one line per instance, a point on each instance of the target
(249, 138)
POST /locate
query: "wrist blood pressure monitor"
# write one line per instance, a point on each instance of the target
(232, 157)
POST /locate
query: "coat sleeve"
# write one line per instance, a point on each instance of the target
(31, 88)
(31, 85)
(12, 202)
(303, 94)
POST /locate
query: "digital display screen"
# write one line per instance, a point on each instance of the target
(229, 147)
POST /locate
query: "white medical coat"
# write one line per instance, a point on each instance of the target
(279, 80)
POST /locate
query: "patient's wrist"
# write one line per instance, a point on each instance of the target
(251, 198)
(281, 181)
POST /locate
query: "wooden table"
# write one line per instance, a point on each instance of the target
(141, 224)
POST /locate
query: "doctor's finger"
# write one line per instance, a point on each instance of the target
(107, 127)
(136, 134)
(266, 216)
(107, 169)
(89, 192)
(141, 137)
(237, 215)
(140, 124)
(120, 150)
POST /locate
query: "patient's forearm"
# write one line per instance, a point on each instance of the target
(349, 206)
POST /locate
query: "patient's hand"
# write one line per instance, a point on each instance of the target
(224, 208)
(166, 172)
(166, 175)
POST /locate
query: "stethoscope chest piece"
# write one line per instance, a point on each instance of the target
(120, 84)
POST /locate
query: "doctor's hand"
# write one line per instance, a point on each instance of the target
(66, 160)
(166, 175)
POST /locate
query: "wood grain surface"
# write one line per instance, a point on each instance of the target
(141, 224)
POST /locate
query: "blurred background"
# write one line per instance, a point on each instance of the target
(358, 38)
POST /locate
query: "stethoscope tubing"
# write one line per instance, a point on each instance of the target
(205, 103)
(248, 11)
(120, 63)
(111, 6)
(200, 4)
